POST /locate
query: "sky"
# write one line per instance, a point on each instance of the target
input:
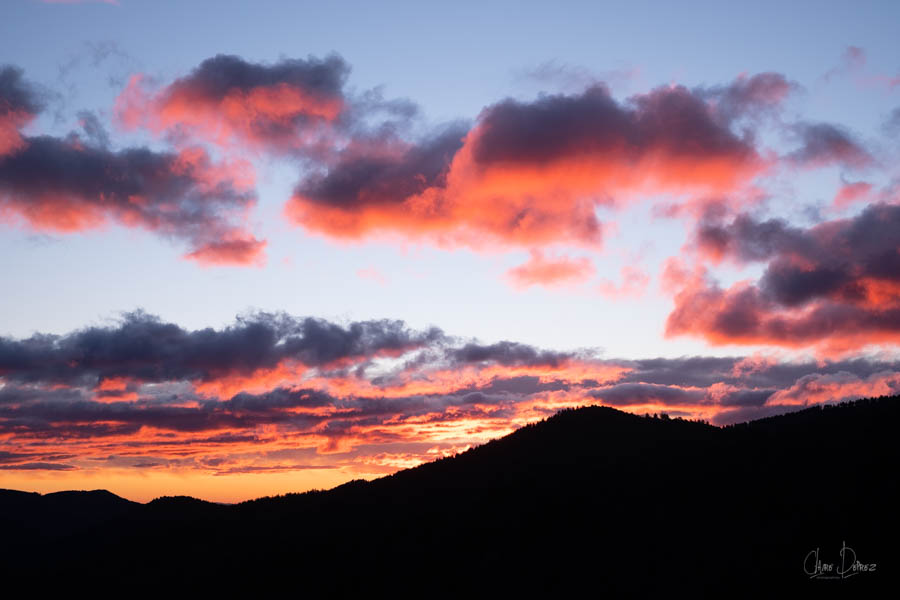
(266, 247)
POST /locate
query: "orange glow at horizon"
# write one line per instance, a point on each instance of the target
(234, 464)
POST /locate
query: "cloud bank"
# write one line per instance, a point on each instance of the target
(273, 390)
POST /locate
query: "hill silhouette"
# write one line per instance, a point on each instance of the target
(624, 504)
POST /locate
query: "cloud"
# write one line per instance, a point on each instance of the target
(720, 395)
(37, 466)
(753, 372)
(819, 387)
(75, 184)
(234, 248)
(144, 348)
(18, 458)
(569, 77)
(93, 129)
(530, 173)
(526, 175)
(634, 283)
(742, 414)
(550, 271)
(270, 468)
(509, 354)
(230, 101)
(833, 286)
(743, 314)
(853, 61)
(367, 191)
(65, 186)
(639, 393)
(145, 394)
(851, 193)
(108, 56)
(557, 128)
(824, 144)
(853, 64)
(891, 124)
(749, 96)
(20, 102)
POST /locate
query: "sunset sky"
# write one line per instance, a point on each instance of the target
(259, 247)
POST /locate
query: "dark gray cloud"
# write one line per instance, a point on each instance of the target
(670, 120)
(144, 347)
(746, 398)
(369, 187)
(38, 466)
(274, 106)
(754, 374)
(9, 458)
(220, 75)
(35, 408)
(824, 144)
(693, 371)
(93, 129)
(838, 260)
(751, 97)
(508, 354)
(70, 184)
(17, 94)
(891, 124)
(66, 419)
(58, 185)
(244, 413)
(359, 179)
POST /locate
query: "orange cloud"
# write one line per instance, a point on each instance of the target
(531, 173)
(238, 249)
(819, 388)
(851, 193)
(742, 315)
(230, 102)
(834, 287)
(551, 272)
(65, 186)
(10, 124)
(309, 421)
(20, 102)
(634, 283)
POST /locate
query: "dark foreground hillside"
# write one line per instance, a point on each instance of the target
(622, 504)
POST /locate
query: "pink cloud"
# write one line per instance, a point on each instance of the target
(550, 271)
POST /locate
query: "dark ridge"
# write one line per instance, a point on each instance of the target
(187, 502)
(591, 499)
(89, 500)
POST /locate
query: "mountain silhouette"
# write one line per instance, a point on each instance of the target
(590, 500)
